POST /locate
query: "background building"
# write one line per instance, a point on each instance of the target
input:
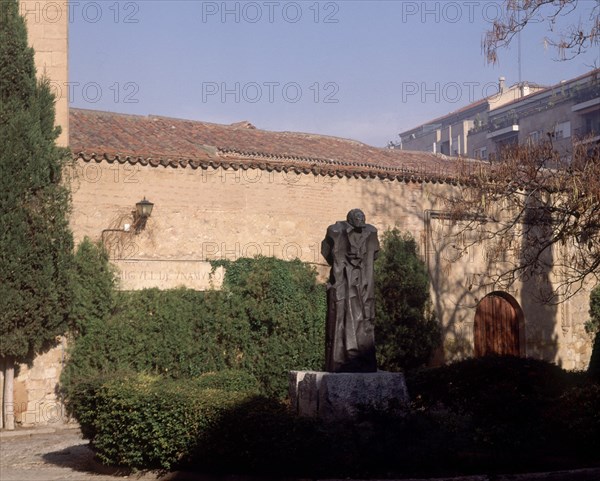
(566, 112)
(449, 135)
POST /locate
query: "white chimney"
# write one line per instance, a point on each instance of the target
(501, 82)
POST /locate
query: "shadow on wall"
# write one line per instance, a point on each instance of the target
(463, 272)
(408, 206)
(541, 314)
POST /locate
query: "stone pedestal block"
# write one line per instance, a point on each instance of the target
(340, 396)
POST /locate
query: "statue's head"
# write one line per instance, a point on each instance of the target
(356, 218)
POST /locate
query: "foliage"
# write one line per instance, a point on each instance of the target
(507, 397)
(406, 328)
(94, 283)
(228, 380)
(593, 327)
(267, 320)
(575, 39)
(280, 311)
(577, 415)
(35, 240)
(537, 211)
(146, 422)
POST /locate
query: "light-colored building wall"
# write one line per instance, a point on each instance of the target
(216, 213)
(449, 134)
(48, 25)
(565, 113)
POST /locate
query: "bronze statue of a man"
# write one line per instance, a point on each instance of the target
(350, 248)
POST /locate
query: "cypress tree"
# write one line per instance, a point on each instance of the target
(406, 330)
(35, 240)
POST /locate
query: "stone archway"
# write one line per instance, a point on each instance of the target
(498, 320)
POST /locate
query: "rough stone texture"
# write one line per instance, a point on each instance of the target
(35, 395)
(47, 26)
(343, 396)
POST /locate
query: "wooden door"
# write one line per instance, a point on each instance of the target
(497, 326)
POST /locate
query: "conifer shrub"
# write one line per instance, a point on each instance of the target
(406, 330)
(36, 243)
(593, 327)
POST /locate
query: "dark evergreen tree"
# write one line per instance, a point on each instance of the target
(35, 240)
(406, 330)
(593, 327)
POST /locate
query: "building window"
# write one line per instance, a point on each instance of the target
(533, 138)
(480, 153)
(562, 130)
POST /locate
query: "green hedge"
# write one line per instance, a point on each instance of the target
(493, 414)
(507, 398)
(145, 422)
(593, 327)
(148, 421)
(267, 320)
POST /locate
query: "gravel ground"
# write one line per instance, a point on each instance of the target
(53, 455)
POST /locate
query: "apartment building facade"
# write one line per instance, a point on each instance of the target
(565, 113)
(449, 134)
(524, 113)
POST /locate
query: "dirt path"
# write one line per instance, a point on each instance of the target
(53, 455)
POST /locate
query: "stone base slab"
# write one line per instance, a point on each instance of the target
(338, 396)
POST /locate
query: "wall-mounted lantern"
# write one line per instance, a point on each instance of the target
(143, 210)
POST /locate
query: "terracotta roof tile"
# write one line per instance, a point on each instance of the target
(176, 142)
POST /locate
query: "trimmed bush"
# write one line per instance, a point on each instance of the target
(147, 421)
(228, 380)
(268, 319)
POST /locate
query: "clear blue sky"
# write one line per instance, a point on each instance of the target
(357, 69)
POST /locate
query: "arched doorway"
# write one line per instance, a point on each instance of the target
(497, 321)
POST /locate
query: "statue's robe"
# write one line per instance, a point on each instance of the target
(349, 342)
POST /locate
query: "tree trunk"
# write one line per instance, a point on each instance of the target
(9, 405)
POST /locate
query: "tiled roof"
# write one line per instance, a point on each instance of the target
(154, 140)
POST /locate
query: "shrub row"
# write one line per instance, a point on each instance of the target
(267, 320)
(141, 421)
(526, 401)
(466, 416)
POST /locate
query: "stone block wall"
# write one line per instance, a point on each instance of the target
(48, 25)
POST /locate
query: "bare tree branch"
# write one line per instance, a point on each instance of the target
(536, 211)
(569, 41)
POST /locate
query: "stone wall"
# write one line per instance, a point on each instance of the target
(48, 25)
(201, 215)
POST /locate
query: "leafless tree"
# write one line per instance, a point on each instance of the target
(536, 211)
(577, 37)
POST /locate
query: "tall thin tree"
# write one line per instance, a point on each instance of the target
(35, 240)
